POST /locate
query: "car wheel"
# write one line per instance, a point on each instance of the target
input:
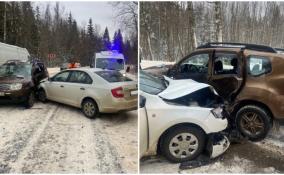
(90, 108)
(42, 95)
(183, 143)
(253, 122)
(30, 100)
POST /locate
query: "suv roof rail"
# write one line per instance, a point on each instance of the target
(255, 47)
(279, 49)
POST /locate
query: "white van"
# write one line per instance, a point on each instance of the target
(10, 52)
(111, 60)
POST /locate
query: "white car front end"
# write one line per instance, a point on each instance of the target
(166, 109)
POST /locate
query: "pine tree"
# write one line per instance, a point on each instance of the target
(106, 40)
(91, 40)
(90, 29)
(118, 42)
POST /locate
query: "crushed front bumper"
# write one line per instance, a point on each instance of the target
(217, 144)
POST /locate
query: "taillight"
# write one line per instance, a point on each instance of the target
(117, 92)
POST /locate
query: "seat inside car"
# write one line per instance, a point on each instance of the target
(218, 67)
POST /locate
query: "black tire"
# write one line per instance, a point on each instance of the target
(251, 116)
(42, 95)
(30, 100)
(90, 108)
(176, 133)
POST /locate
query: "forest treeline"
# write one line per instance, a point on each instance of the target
(171, 30)
(54, 32)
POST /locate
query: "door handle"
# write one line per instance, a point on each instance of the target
(61, 86)
(82, 88)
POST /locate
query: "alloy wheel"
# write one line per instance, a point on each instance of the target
(252, 123)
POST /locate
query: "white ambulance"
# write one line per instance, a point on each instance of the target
(111, 60)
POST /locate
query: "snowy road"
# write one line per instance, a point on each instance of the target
(266, 156)
(55, 138)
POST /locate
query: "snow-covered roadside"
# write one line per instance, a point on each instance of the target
(147, 63)
(53, 70)
(56, 138)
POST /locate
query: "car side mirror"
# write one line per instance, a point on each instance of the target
(173, 70)
(142, 101)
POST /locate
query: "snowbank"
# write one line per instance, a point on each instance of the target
(53, 70)
(147, 63)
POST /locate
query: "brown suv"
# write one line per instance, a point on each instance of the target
(249, 77)
(18, 81)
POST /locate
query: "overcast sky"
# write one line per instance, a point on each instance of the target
(102, 13)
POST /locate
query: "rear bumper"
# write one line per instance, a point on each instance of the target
(120, 105)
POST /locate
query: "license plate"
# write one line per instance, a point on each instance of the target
(2, 94)
(133, 92)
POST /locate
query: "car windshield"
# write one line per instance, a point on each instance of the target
(113, 76)
(151, 84)
(18, 70)
(110, 63)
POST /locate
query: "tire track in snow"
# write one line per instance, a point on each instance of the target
(11, 150)
(27, 138)
(106, 153)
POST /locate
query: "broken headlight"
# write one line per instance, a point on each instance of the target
(217, 112)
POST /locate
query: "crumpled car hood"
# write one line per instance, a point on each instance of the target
(179, 88)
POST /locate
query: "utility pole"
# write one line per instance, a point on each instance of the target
(5, 23)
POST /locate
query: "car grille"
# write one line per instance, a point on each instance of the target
(4, 87)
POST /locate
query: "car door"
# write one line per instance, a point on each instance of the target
(76, 87)
(55, 86)
(193, 67)
(226, 75)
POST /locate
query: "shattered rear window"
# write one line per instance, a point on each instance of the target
(203, 98)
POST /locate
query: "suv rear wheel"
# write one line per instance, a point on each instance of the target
(254, 122)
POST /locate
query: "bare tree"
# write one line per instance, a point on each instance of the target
(171, 30)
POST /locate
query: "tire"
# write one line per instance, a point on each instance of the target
(30, 100)
(177, 135)
(42, 95)
(90, 108)
(253, 122)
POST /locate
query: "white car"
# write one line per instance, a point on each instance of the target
(180, 118)
(93, 90)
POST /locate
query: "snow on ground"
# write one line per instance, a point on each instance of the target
(147, 63)
(53, 70)
(266, 156)
(55, 138)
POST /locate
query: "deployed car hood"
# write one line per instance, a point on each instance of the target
(179, 88)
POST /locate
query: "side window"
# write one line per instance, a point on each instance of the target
(61, 77)
(80, 77)
(195, 64)
(225, 63)
(258, 65)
